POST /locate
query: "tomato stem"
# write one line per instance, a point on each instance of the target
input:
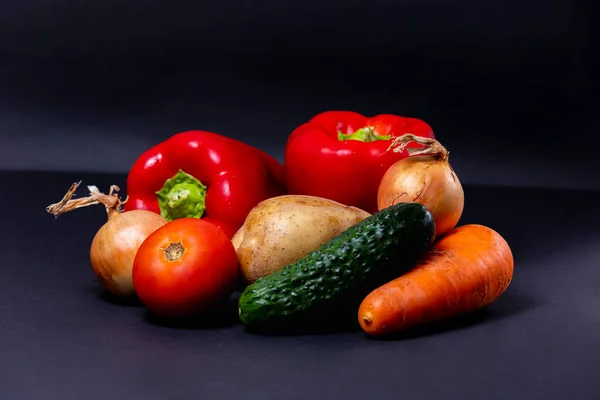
(174, 252)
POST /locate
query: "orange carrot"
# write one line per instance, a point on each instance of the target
(466, 270)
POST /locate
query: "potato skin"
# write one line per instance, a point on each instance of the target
(283, 229)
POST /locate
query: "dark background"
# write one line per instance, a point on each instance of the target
(508, 86)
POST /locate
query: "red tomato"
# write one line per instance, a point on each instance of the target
(184, 268)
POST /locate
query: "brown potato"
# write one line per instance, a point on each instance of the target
(283, 229)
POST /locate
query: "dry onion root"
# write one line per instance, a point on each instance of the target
(424, 177)
(115, 244)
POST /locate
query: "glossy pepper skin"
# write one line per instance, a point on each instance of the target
(341, 155)
(204, 175)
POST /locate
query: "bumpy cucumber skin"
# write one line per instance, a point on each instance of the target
(343, 270)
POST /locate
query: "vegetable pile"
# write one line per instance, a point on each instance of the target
(359, 225)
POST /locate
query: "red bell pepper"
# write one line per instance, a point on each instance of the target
(341, 155)
(204, 175)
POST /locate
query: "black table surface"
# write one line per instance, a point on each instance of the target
(62, 338)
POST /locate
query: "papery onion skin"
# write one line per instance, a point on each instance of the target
(115, 245)
(428, 180)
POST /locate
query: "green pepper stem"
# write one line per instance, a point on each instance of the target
(366, 134)
(182, 196)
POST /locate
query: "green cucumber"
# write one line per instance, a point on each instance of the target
(330, 282)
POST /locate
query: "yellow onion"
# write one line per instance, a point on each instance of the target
(116, 243)
(425, 177)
